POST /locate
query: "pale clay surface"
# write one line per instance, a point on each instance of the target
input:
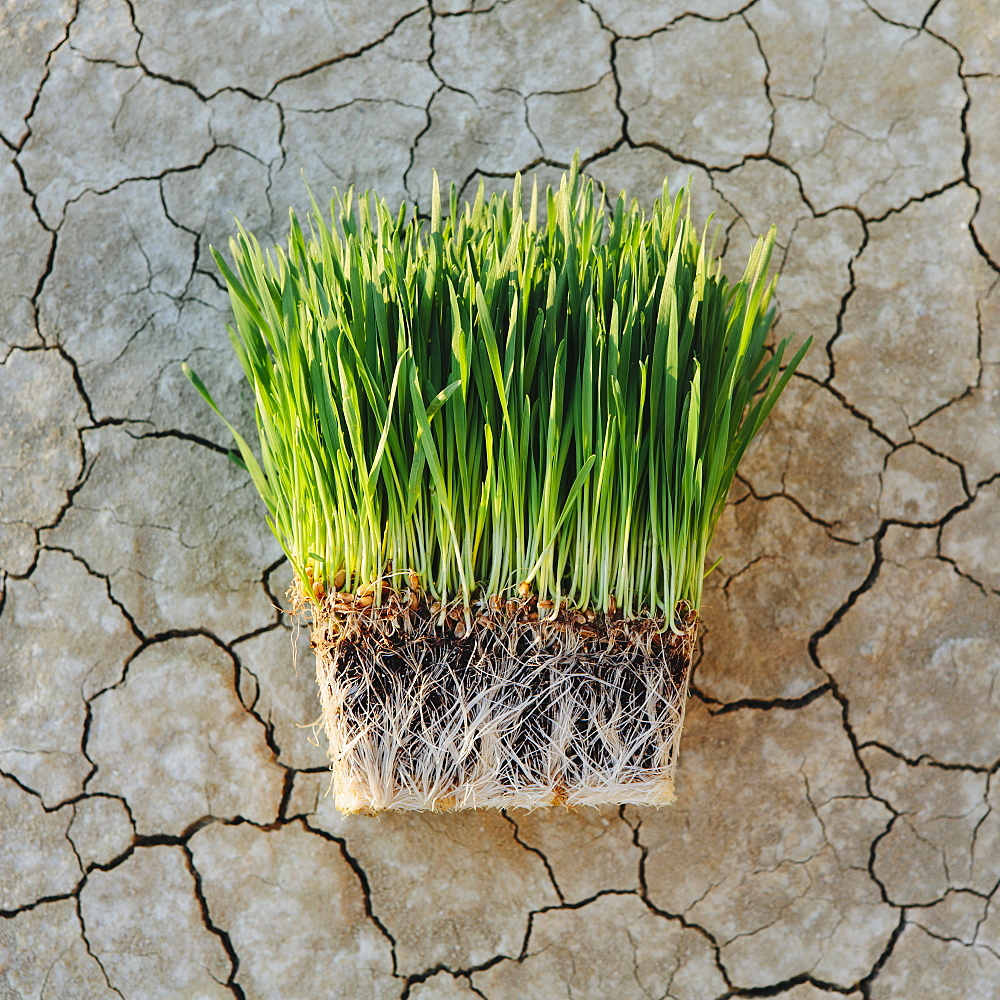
(145, 925)
(43, 954)
(170, 766)
(164, 827)
(402, 857)
(34, 382)
(63, 641)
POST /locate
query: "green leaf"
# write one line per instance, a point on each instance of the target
(601, 382)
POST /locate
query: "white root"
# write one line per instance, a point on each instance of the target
(511, 714)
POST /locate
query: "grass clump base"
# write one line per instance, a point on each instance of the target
(502, 708)
(494, 445)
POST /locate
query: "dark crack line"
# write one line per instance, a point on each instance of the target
(827, 384)
(432, 51)
(913, 909)
(474, 989)
(834, 620)
(771, 157)
(171, 432)
(162, 637)
(873, 848)
(864, 985)
(930, 13)
(967, 141)
(947, 939)
(36, 97)
(223, 936)
(885, 19)
(466, 973)
(916, 200)
(416, 978)
(71, 801)
(643, 894)
(717, 707)
(977, 243)
(982, 819)
(984, 588)
(842, 700)
(363, 102)
(667, 151)
(268, 573)
(163, 77)
(346, 56)
(146, 642)
(472, 10)
(829, 527)
(767, 79)
(756, 561)
(954, 512)
(362, 877)
(99, 192)
(197, 234)
(126, 614)
(88, 719)
(10, 776)
(41, 901)
(527, 125)
(103, 60)
(82, 477)
(680, 19)
(90, 950)
(928, 760)
(35, 298)
(777, 989)
(286, 795)
(534, 850)
(623, 114)
(940, 454)
(852, 286)
(266, 724)
(538, 161)
(87, 796)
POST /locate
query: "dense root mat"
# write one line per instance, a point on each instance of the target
(499, 711)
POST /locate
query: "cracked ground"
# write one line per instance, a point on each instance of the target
(164, 824)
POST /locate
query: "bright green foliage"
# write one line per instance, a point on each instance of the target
(486, 401)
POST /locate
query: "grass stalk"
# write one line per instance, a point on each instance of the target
(481, 403)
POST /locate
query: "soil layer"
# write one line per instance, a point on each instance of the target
(430, 710)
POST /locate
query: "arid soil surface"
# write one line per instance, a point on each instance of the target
(164, 824)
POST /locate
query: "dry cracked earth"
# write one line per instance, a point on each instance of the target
(164, 824)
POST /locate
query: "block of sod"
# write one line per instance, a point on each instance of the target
(494, 451)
